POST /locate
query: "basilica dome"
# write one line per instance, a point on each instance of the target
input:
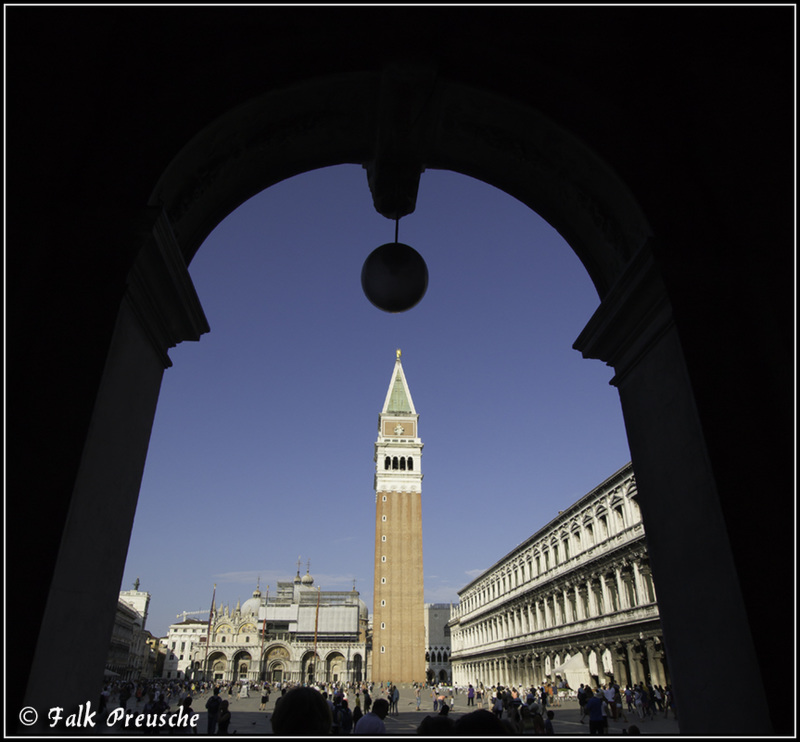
(307, 580)
(252, 605)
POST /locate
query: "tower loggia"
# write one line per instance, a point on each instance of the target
(398, 653)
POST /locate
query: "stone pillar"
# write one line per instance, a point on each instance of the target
(620, 664)
(579, 602)
(593, 610)
(635, 663)
(598, 650)
(624, 603)
(607, 602)
(654, 662)
(642, 598)
(158, 310)
(648, 583)
(633, 331)
(569, 617)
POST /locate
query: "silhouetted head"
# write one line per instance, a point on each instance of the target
(380, 707)
(480, 722)
(302, 711)
(433, 726)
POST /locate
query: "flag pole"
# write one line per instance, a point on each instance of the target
(316, 629)
(264, 635)
(208, 633)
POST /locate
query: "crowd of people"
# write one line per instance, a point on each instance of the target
(607, 701)
(361, 708)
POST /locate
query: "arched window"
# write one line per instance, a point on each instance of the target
(410, 463)
(395, 463)
(427, 656)
(387, 463)
(402, 463)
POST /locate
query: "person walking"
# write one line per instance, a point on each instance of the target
(264, 697)
(345, 718)
(372, 723)
(224, 718)
(583, 697)
(212, 707)
(608, 692)
(638, 701)
(594, 707)
(618, 704)
(629, 698)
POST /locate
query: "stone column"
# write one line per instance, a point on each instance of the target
(607, 602)
(620, 654)
(569, 617)
(635, 663)
(579, 602)
(593, 609)
(647, 579)
(624, 603)
(654, 661)
(602, 678)
(633, 331)
(158, 310)
(642, 598)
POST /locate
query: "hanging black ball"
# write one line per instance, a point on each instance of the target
(394, 277)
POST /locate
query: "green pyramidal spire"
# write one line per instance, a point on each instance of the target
(398, 398)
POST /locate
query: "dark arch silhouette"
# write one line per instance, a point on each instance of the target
(665, 165)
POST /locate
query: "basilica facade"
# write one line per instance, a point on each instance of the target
(575, 602)
(294, 633)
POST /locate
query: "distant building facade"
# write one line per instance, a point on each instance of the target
(574, 602)
(130, 656)
(296, 633)
(437, 643)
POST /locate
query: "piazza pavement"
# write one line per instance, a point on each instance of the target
(246, 719)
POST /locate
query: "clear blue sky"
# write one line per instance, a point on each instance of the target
(263, 441)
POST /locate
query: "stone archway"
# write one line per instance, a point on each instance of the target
(336, 668)
(242, 663)
(216, 666)
(481, 128)
(311, 668)
(276, 672)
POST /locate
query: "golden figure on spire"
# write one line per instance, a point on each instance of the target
(398, 354)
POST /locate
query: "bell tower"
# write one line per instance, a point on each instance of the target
(398, 630)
